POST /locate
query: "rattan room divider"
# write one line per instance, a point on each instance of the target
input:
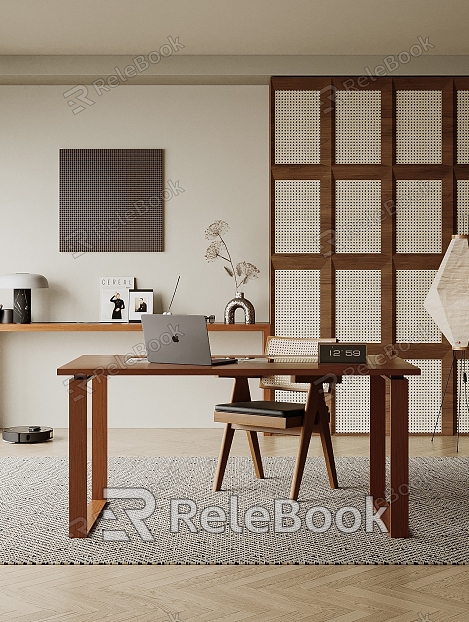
(369, 180)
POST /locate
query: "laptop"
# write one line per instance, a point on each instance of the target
(179, 339)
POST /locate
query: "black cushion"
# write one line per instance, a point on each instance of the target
(268, 409)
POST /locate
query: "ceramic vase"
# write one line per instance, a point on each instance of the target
(240, 302)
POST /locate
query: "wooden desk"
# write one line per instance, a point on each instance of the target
(97, 369)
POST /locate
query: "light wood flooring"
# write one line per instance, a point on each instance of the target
(230, 593)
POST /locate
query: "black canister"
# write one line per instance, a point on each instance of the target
(6, 316)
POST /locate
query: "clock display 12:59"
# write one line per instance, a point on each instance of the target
(342, 353)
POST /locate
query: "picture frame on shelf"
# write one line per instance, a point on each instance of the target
(114, 298)
(140, 302)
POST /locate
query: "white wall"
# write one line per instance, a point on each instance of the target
(216, 146)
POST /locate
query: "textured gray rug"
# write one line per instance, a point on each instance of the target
(33, 514)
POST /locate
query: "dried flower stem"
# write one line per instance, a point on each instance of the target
(244, 270)
(230, 260)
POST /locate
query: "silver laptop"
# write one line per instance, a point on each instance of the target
(180, 339)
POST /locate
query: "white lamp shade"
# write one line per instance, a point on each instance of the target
(23, 280)
(448, 298)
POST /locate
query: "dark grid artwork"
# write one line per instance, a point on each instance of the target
(111, 200)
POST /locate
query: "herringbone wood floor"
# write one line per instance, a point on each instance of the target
(210, 593)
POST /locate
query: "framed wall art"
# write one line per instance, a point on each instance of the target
(110, 200)
(140, 302)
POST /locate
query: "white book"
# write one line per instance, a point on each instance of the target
(114, 298)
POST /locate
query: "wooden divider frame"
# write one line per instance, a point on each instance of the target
(388, 260)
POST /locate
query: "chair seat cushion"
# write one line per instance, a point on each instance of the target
(269, 409)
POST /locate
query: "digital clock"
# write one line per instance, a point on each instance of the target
(342, 353)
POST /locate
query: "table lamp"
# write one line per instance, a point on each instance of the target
(22, 283)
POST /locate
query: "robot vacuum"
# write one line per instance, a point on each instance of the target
(27, 434)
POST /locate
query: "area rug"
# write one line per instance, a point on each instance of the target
(248, 522)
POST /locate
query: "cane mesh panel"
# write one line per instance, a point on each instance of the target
(463, 127)
(418, 127)
(358, 127)
(352, 407)
(287, 350)
(297, 303)
(295, 397)
(413, 323)
(463, 206)
(463, 396)
(297, 127)
(425, 396)
(358, 305)
(418, 216)
(283, 382)
(296, 350)
(297, 216)
(358, 216)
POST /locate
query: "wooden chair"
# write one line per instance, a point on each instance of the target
(279, 417)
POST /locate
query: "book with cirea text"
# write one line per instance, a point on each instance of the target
(114, 298)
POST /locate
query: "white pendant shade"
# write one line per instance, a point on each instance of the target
(448, 298)
(23, 280)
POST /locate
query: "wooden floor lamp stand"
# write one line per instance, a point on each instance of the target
(462, 380)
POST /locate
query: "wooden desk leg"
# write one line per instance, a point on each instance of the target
(77, 410)
(399, 502)
(99, 438)
(378, 439)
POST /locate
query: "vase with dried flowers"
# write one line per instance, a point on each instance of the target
(241, 273)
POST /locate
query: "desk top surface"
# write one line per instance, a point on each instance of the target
(113, 365)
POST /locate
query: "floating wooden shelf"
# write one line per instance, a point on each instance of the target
(97, 326)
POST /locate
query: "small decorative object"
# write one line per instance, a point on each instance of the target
(241, 273)
(240, 302)
(22, 283)
(115, 298)
(7, 316)
(140, 302)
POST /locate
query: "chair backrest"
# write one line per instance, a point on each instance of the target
(293, 350)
